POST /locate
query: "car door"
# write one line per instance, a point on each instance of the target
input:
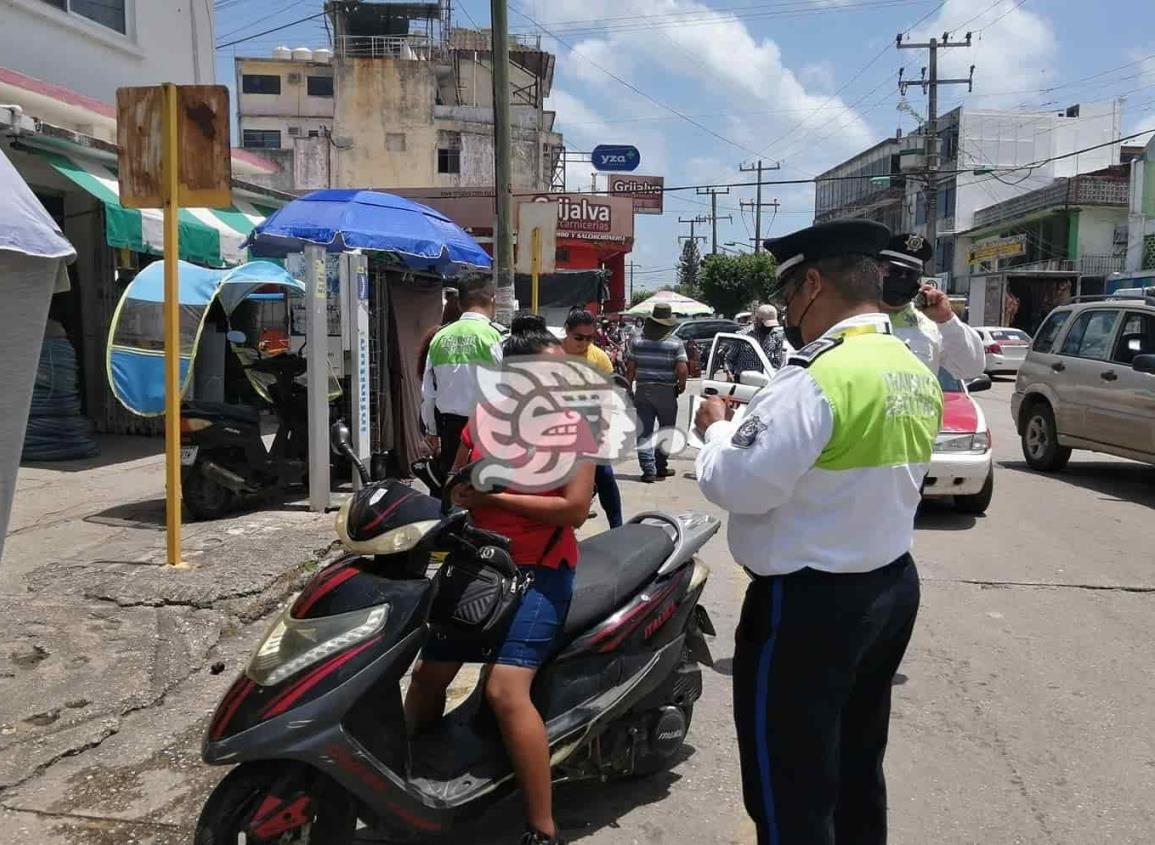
(1124, 412)
(716, 381)
(1083, 353)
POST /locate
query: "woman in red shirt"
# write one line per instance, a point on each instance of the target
(540, 527)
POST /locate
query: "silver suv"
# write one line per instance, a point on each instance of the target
(1088, 381)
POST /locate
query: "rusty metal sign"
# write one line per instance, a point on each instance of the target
(204, 161)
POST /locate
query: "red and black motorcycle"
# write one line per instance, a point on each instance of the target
(315, 725)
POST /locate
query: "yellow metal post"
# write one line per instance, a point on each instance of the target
(171, 324)
(535, 266)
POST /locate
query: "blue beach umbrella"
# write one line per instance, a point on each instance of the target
(421, 238)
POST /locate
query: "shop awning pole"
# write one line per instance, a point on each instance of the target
(536, 266)
(171, 325)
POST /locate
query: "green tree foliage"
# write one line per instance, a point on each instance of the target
(639, 295)
(732, 283)
(688, 269)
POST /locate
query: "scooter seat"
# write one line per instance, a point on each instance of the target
(243, 414)
(611, 568)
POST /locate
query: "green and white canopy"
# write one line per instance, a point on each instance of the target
(208, 236)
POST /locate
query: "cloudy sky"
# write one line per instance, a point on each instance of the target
(703, 86)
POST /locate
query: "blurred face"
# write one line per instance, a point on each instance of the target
(899, 286)
(578, 339)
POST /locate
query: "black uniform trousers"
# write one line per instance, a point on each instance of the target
(449, 428)
(813, 664)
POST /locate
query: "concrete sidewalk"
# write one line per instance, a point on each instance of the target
(95, 628)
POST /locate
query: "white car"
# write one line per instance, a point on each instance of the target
(1006, 348)
(961, 465)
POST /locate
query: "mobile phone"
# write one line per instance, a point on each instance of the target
(920, 298)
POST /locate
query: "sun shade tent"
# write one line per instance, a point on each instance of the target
(682, 306)
(420, 238)
(136, 338)
(34, 255)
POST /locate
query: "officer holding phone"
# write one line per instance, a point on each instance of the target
(921, 313)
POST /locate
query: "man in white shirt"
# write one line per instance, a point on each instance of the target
(921, 313)
(822, 480)
(449, 390)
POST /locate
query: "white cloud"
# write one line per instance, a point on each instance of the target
(1013, 51)
(716, 57)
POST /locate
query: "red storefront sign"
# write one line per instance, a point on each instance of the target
(647, 192)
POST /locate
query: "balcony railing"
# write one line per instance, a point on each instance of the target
(409, 47)
(1079, 190)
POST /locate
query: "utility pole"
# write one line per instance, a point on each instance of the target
(929, 84)
(632, 265)
(758, 205)
(503, 235)
(714, 218)
(693, 221)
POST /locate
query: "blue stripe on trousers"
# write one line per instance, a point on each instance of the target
(760, 707)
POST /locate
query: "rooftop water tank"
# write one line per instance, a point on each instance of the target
(302, 54)
(323, 56)
(283, 53)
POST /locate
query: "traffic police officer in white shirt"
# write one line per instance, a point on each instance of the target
(921, 313)
(822, 479)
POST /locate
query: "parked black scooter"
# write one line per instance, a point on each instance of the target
(223, 457)
(316, 721)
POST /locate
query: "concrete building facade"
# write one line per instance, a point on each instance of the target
(95, 46)
(972, 143)
(410, 104)
(1027, 254)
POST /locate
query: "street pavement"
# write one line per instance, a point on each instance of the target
(1022, 714)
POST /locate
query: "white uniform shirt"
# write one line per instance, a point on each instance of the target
(953, 344)
(787, 514)
(452, 388)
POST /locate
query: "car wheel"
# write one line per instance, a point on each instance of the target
(1041, 441)
(977, 503)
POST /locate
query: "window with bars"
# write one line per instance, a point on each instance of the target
(109, 13)
(260, 83)
(448, 152)
(320, 86)
(261, 139)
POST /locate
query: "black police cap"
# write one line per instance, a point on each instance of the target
(828, 240)
(907, 250)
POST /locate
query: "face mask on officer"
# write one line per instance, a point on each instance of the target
(900, 286)
(806, 290)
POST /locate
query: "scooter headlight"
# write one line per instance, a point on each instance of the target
(293, 644)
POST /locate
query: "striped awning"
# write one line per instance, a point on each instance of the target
(208, 236)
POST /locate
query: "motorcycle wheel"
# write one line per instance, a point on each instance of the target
(226, 817)
(204, 498)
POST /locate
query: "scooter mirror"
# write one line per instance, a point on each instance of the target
(340, 438)
(236, 337)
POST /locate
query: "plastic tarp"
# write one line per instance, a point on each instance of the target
(421, 238)
(33, 255)
(136, 338)
(564, 289)
(25, 225)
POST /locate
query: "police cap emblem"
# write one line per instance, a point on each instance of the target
(748, 432)
(914, 243)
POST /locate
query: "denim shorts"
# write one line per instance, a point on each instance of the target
(529, 637)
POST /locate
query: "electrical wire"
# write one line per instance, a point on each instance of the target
(712, 18)
(635, 89)
(267, 31)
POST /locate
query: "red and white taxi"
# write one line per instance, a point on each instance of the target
(962, 465)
